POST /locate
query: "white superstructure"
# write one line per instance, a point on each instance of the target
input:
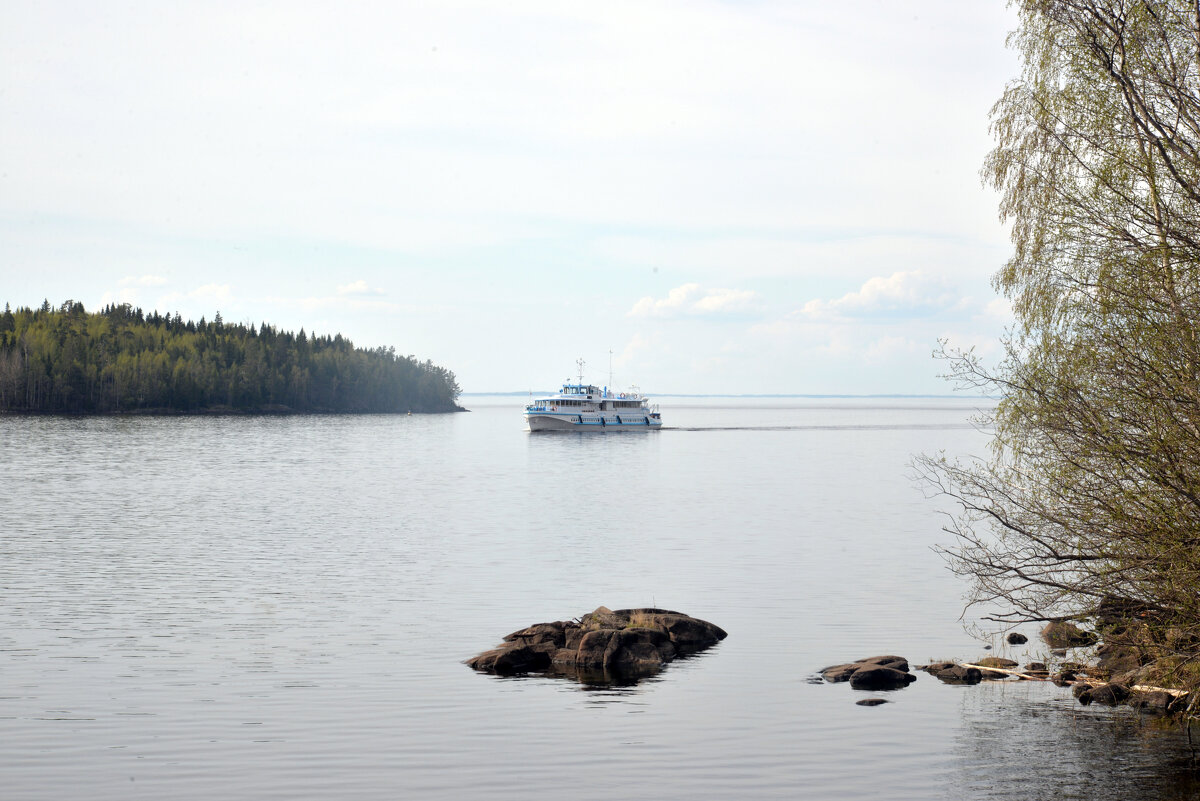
(585, 407)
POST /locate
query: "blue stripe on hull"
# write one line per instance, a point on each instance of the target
(571, 422)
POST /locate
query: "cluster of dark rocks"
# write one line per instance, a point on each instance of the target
(1112, 693)
(1125, 668)
(1123, 672)
(874, 673)
(603, 646)
(989, 667)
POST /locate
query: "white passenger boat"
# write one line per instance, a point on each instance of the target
(585, 407)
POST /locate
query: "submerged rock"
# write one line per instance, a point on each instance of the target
(602, 646)
(871, 701)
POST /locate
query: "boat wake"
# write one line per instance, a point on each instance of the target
(850, 427)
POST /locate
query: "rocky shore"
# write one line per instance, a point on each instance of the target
(1118, 662)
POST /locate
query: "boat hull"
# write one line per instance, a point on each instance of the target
(592, 422)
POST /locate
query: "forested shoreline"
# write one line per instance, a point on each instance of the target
(67, 360)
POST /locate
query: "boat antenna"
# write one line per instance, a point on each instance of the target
(610, 383)
(581, 363)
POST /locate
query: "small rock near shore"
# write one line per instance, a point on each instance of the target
(1017, 638)
(877, 677)
(871, 701)
(959, 674)
(996, 662)
(843, 672)
(1106, 694)
(1156, 701)
(1061, 634)
(887, 672)
(1064, 679)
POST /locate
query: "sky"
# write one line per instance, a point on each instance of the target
(749, 197)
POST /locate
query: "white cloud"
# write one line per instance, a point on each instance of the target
(902, 294)
(359, 287)
(251, 148)
(692, 299)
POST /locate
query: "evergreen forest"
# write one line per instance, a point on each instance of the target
(71, 361)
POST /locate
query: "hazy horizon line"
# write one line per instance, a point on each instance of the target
(754, 395)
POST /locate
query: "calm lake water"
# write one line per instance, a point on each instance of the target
(244, 607)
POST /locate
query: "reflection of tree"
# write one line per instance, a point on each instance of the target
(67, 360)
(1028, 746)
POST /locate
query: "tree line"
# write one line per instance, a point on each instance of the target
(121, 359)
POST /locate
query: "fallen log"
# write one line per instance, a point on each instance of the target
(1016, 673)
(1137, 688)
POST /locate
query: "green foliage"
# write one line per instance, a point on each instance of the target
(1093, 488)
(121, 360)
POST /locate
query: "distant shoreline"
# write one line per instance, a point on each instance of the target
(751, 395)
(221, 412)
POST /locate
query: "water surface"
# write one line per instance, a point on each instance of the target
(278, 607)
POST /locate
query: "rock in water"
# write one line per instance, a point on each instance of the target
(893, 662)
(1016, 638)
(958, 674)
(839, 673)
(1061, 634)
(996, 662)
(873, 673)
(602, 646)
(1108, 694)
(875, 677)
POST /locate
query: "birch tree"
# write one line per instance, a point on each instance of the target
(1092, 488)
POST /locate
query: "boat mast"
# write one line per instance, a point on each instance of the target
(580, 362)
(610, 383)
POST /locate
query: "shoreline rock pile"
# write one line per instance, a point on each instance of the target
(1132, 664)
(602, 646)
